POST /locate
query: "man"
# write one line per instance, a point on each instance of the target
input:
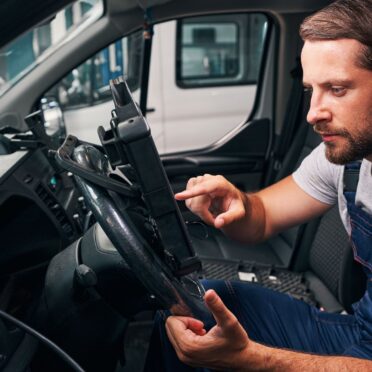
(337, 65)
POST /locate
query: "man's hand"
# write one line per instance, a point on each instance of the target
(224, 347)
(227, 347)
(215, 200)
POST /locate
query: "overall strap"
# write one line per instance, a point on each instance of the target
(351, 176)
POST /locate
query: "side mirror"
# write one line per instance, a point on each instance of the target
(53, 116)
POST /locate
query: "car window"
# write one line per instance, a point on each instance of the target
(84, 93)
(202, 81)
(88, 84)
(27, 51)
(210, 50)
(203, 78)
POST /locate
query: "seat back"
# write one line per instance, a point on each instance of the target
(331, 260)
(304, 142)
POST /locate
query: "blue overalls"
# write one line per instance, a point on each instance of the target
(278, 320)
(361, 242)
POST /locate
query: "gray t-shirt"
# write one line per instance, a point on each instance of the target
(323, 181)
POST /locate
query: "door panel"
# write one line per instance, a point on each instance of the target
(240, 157)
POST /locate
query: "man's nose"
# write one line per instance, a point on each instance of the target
(318, 112)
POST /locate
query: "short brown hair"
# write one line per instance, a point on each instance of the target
(343, 19)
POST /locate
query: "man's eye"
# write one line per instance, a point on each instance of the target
(338, 91)
(308, 90)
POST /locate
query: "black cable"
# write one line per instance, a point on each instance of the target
(43, 339)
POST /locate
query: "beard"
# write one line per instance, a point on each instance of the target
(353, 147)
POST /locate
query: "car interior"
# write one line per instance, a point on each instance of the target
(92, 242)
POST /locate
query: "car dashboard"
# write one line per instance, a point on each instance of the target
(40, 209)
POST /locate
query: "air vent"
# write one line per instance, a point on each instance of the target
(56, 209)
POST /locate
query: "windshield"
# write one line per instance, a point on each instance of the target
(27, 51)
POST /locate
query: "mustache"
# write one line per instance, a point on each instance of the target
(324, 128)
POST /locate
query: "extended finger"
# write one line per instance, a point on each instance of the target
(223, 316)
(208, 186)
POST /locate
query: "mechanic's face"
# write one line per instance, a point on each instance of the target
(341, 101)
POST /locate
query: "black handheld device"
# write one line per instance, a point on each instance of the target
(129, 145)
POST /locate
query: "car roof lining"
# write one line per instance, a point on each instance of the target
(280, 6)
(18, 16)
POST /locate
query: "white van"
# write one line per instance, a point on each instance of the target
(203, 79)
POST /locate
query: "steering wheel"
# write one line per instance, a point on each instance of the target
(181, 295)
